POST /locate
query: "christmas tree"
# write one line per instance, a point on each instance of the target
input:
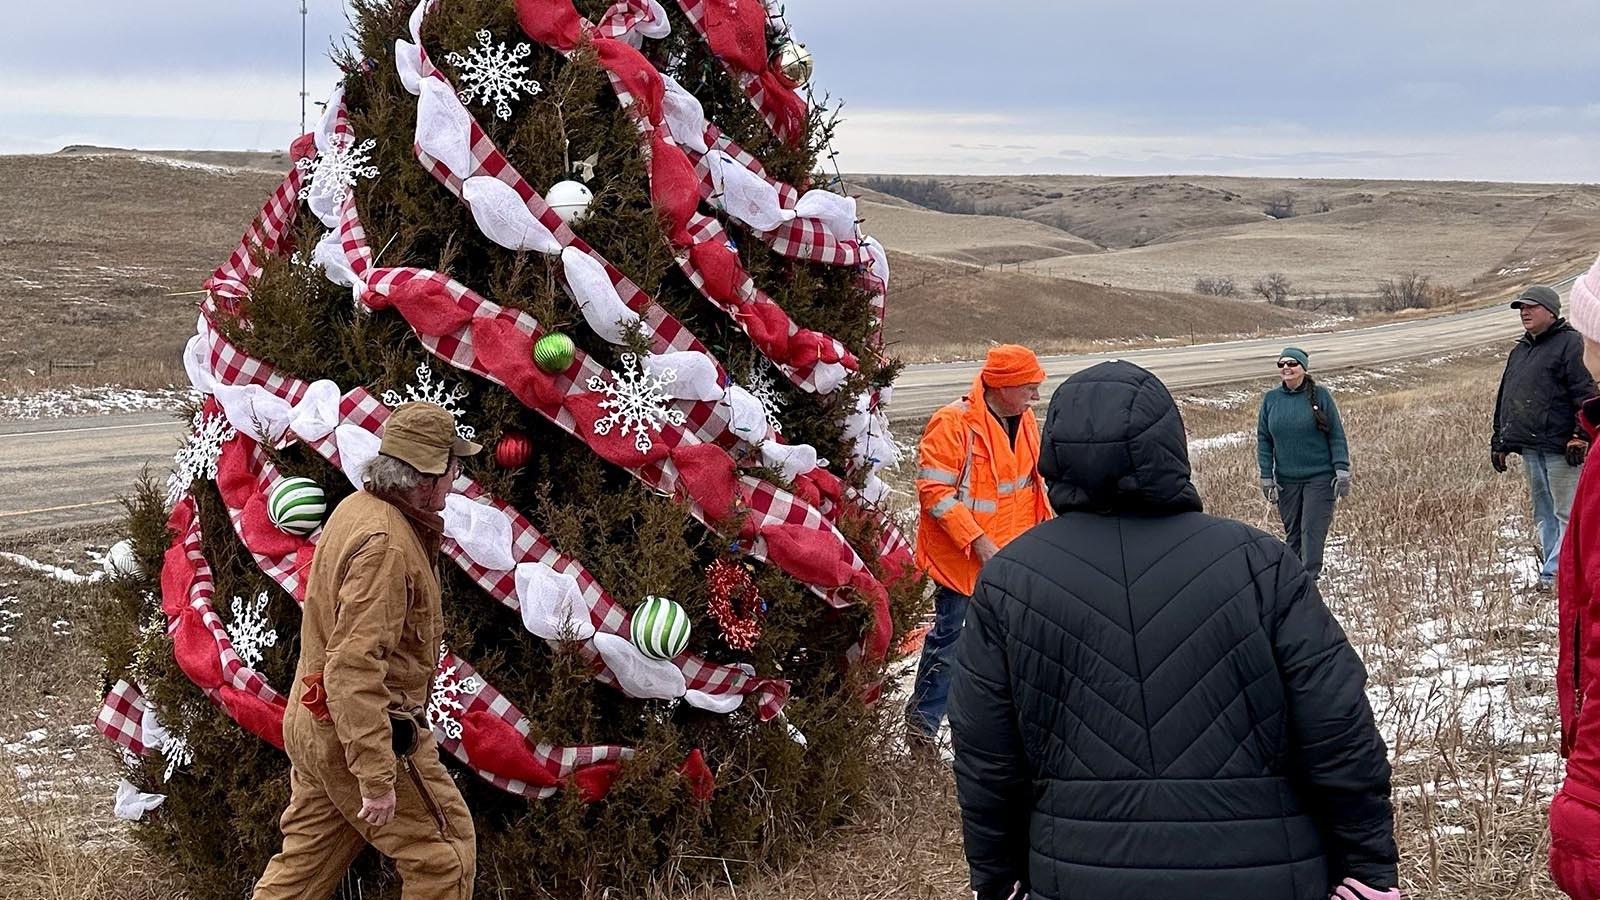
(597, 234)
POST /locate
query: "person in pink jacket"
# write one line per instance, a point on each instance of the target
(1575, 811)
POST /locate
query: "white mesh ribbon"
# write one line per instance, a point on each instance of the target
(408, 62)
(552, 604)
(597, 297)
(481, 531)
(875, 490)
(444, 127)
(197, 362)
(879, 257)
(749, 419)
(131, 804)
(745, 195)
(504, 217)
(640, 676)
(317, 414)
(329, 254)
(724, 704)
(695, 375)
(836, 212)
(324, 131)
(357, 447)
(686, 118)
(253, 410)
(828, 376)
(793, 459)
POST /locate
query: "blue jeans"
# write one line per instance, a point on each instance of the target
(931, 691)
(1552, 484)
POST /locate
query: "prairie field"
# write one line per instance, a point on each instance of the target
(1430, 566)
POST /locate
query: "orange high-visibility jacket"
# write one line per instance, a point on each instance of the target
(971, 481)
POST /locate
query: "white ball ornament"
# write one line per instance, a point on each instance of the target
(660, 628)
(296, 505)
(120, 560)
(570, 200)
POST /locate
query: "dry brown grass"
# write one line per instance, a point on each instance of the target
(943, 311)
(94, 248)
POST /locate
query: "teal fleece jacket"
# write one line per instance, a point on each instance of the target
(1289, 448)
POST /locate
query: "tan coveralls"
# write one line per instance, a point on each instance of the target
(371, 629)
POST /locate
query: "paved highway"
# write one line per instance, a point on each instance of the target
(62, 472)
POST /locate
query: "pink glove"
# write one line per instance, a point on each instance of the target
(1352, 889)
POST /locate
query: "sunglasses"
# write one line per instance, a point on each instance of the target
(1288, 364)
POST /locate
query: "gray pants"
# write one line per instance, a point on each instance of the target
(1307, 513)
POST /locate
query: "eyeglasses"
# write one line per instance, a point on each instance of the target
(1288, 364)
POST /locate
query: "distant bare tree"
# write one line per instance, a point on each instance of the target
(1215, 286)
(1274, 288)
(1280, 207)
(1409, 291)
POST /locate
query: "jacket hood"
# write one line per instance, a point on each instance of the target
(1114, 443)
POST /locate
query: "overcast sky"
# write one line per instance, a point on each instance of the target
(1475, 89)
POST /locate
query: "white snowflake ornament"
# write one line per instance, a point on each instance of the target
(492, 74)
(445, 704)
(197, 458)
(635, 401)
(763, 387)
(251, 631)
(426, 390)
(331, 174)
(177, 753)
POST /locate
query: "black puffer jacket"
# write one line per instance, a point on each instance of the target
(1153, 702)
(1544, 385)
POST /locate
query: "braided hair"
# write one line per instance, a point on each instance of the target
(1317, 411)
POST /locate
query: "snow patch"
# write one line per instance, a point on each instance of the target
(82, 400)
(49, 571)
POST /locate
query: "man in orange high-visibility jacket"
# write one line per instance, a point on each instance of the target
(978, 486)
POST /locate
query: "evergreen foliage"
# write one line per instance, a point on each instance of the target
(219, 824)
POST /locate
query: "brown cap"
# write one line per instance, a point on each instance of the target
(423, 435)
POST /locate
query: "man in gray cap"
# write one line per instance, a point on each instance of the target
(364, 768)
(1536, 415)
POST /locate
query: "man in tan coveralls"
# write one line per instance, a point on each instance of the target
(365, 768)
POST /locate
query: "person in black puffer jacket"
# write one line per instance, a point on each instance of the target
(1153, 702)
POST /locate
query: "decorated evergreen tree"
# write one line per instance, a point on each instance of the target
(595, 233)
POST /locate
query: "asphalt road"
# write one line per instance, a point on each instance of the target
(61, 472)
(68, 472)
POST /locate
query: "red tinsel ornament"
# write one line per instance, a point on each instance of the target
(734, 603)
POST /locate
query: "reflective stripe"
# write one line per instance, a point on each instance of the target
(938, 476)
(1005, 487)
(983, 506)
(942, 507)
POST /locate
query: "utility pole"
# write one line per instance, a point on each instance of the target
(303, 66)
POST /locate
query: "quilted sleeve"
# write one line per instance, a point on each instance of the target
(992, 780)
(1343, 766)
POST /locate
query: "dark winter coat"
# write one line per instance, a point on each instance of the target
(1544, 385)
(1153, 702)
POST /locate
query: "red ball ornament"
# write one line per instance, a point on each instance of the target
(513, 450)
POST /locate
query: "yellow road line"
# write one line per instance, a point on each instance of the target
(46, 509)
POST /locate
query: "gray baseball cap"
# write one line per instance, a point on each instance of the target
(1541, 294)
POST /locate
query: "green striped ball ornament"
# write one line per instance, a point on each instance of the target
(660, 628)
(296, 505)
(554, 352)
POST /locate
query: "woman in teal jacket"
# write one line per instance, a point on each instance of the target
(1304, 460)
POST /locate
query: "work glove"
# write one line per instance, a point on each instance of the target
(1352, 889)
(1576, 451)
(1498, 460)
(1341, 483)
(1269, 489)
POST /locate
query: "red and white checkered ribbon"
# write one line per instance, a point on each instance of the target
(767, 90)
(124, 719)
(821, 369)
(360, 410)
